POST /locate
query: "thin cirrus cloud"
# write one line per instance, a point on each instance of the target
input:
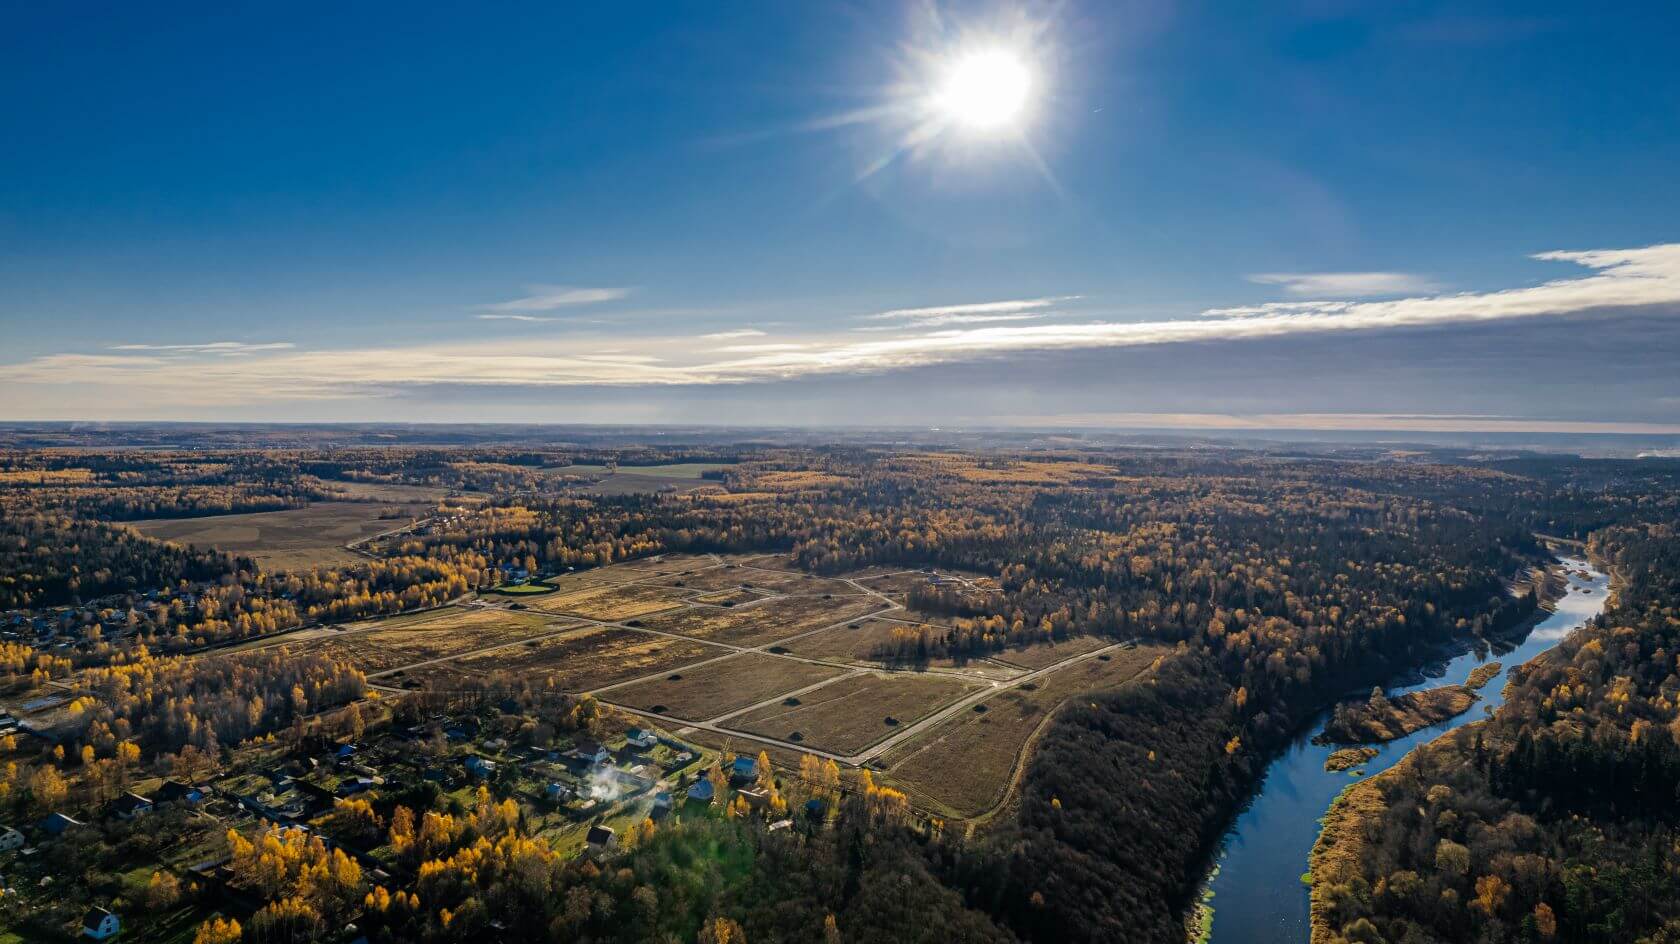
(1020, 309)
(1646, 280)
(733, 334)
(553, 297)
(1347, 284)
(211, 347)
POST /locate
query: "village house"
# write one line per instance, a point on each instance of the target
(744, 770)
(661, 806)
(100, 924)
(175, 791)
(600, 838)
(587, 756)
(57, 824)
(130, 805)
(353, 785)
(10, 839)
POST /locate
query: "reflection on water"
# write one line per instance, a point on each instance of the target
(1258, 897)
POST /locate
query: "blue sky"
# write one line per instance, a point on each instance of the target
(244, 211)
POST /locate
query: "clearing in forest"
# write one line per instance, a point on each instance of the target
(720, 687)
(964, 764)
(296, 539)
(581, 660)
(849, 715)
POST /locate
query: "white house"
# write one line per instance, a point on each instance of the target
(100, 924)
(10, 839)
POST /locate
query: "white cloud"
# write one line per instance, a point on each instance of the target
(550, 297)
(1619, 279)
(753, 348)
(1022, 309)
(731, 335)
(1396, 422)
(1346, 284)
(527, 318)
(211, 347)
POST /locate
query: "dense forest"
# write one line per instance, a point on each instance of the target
(51, 559)
(1555, 819)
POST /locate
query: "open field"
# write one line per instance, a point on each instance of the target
(735, 597)
(763, 622)
(636, 479)
(523, 589)
(680, 470)
(594, 577)
(845, 644)
(287, 540)
(717, 578)
(721, 687)
(894, 584)
(454, 631)
(965, 764)
(664, 564)
(663, 571)
(733, 575)
(391, 492)
(609, 603)
(849, 715)
(1040, 654)
(584, 659)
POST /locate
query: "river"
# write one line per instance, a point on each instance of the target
(1256, 892)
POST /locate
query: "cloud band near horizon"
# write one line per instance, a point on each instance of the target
(1645, 279)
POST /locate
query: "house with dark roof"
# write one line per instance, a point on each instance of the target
(600, 837)
(701, 791)
(130, 805)
(592, 751)
(743, 770)
(587, 757)
(100, 924)
(175, 791)
(351, 786)
(661, 806)
(57, 824)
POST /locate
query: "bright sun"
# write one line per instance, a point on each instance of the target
(986, 90)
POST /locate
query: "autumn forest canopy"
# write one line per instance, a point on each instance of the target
(364, 701)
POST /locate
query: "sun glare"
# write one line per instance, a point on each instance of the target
(984, 91)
